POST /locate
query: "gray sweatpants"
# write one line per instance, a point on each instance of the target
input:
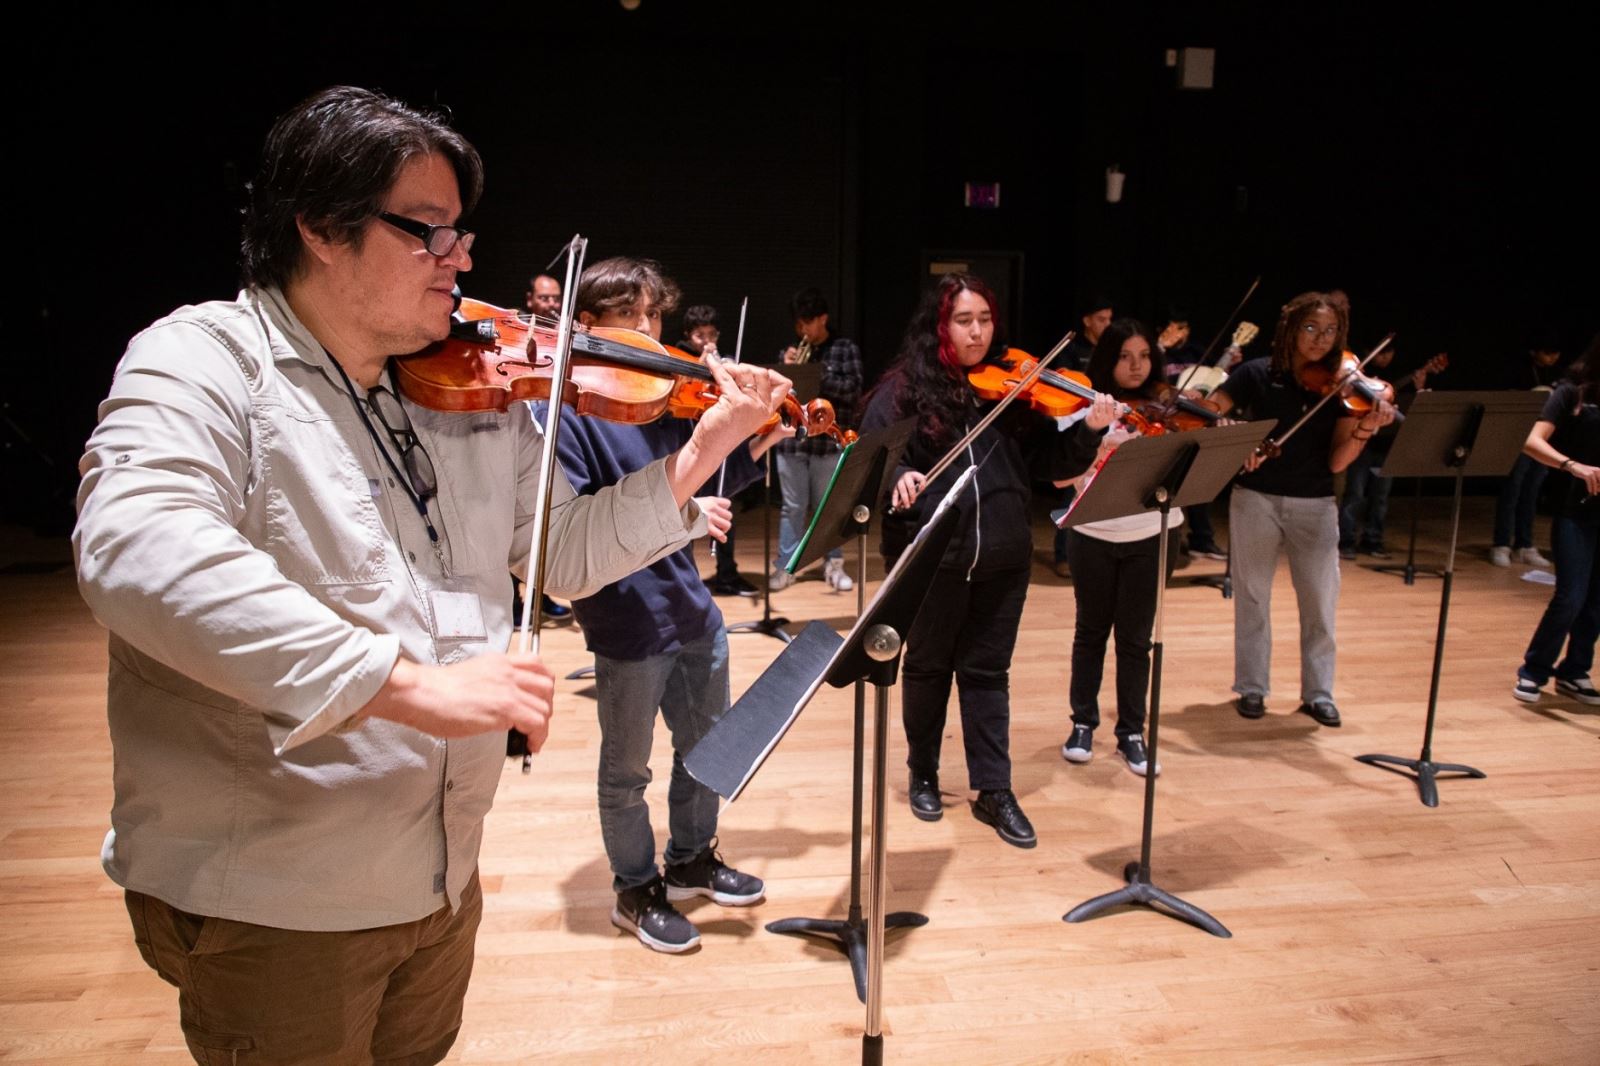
(1308, 529)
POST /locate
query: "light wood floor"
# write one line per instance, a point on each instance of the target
(1367, 928)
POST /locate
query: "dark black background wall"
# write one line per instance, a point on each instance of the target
(1431, 167)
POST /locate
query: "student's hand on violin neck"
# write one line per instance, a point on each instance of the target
(748, 396)
(1104, 411)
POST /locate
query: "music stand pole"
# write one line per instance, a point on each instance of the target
(1409, 571)
(766, 624)
(851, 934)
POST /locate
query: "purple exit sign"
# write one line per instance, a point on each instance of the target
(984, 195)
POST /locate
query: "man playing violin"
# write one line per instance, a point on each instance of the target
(304, 578)
(1287, 502)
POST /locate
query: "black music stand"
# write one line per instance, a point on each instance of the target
(1454, 434)
(807, 379)
(1172, 470)
(859, 486)
(731, 752)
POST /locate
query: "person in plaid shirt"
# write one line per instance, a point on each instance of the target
(804, 466)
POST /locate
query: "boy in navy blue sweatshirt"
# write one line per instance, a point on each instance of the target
(659, 642)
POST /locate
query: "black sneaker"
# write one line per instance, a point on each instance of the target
(1377, 550)
(1579, 688)
(731, 586)
(1132, 751)
(1250, 706)
(1323, 711)
(553, 611)
(645, 912)
(925, 801)
(999, 808)
(1080, 746)
(1346, 553)
(707, 875)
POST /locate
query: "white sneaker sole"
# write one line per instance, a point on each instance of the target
(678, 893)
(1076, 755)
(1525, 696)
(1138, 769)
(621, 922)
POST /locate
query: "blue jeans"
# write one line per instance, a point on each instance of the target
(690, 686)
(1366, 496)
(805, 481)
(1519, 497)
(1573, 616)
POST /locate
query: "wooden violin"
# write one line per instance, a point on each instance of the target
(495, 357)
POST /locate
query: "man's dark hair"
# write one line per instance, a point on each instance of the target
(329, 162)
(619, 281)
(697, 316)
(808, 303)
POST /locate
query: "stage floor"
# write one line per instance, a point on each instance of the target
(1366, 927)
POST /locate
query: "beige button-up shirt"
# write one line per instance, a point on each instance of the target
(260, 569)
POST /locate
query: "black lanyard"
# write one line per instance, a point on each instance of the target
(405, 482)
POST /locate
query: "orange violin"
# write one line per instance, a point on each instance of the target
(1053, 393)
(496, 357)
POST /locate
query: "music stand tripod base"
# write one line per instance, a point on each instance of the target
(1425, 772)
(1139, 890)
(849, 935)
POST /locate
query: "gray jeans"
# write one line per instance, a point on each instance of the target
(690, 686)
(1307, 528)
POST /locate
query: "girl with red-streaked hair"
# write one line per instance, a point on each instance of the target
(968, 626)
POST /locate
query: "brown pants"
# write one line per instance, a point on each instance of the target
(252, 995)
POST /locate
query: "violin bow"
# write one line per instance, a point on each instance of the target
(738, 353)
(1005, 401)
(1277, 443)
(1227, 324)
(528, 637)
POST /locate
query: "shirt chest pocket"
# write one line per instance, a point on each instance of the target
(316, 505)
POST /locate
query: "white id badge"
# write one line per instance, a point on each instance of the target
(457, 615)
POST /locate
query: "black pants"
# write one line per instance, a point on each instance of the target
(966, 629)
(1115, 585)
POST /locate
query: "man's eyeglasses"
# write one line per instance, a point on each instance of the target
(419, 468)
(438, 240)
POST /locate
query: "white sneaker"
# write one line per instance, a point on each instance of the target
(1500, 555)
(1531, 557)
(833, 573)
(779, 579)
(1526, 691)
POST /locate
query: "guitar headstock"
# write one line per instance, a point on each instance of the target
(1246, 333)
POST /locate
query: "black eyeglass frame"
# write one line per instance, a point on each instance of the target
(413, 456)
(426, 233)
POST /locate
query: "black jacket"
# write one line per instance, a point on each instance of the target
(995, 531)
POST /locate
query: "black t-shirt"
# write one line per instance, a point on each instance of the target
(1577, 436)
(1302, 470)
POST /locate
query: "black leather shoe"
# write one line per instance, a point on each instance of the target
(1251, 706)
(925, 801)
(1323, 711)
(999, 809)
